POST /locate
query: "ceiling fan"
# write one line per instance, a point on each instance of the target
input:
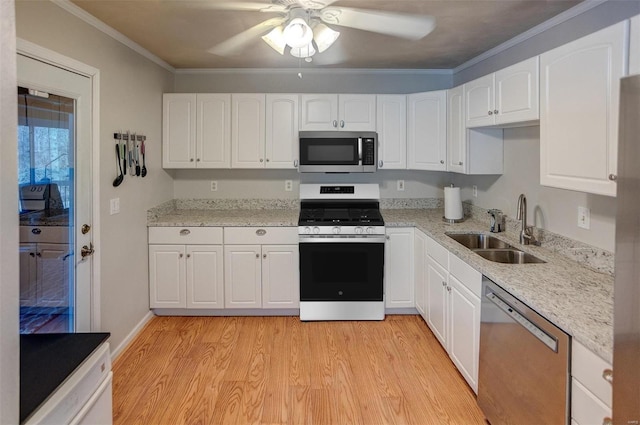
(303, 26)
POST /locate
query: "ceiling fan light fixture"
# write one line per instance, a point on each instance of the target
(297, 33)
(303, 52)
(324, 36)
(275, 39)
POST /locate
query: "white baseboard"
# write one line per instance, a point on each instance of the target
(134, 332)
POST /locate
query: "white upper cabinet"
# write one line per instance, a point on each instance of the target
(634, 46)
(248, 130)
(347, 112)
(281, 150)
(456, 131)
(391, 122)
(579, 112)
(427, 131)
(196, 130)
(507, 96)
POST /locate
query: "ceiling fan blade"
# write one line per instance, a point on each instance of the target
(242, 6)
(235, 45)
(412, 27)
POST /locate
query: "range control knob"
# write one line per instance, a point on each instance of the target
(336, 230)
(307, 230)
(316, 230)
(359, 230)
(370, 230)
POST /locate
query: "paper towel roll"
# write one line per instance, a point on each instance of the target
(452, 203)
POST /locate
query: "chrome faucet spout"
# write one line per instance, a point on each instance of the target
(526, 232)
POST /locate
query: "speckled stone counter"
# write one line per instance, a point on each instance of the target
(575, 298)
(45, 218)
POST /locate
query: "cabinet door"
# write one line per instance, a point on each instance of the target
(420, 272)
(391, 122)
(213, 131)
(456, 131)
(480, 105)
(357, 112)
(634, 46)
(579, 112)
(517, 92)
(178, 130)
(53, 274)
(437, 300)
(427, 131)
(242, 276)
(247, 130)
(280, 276)
(319, 112)
(398, 268)
(282, 131)
(28, 274)
(205, 276)
(463, 338)
(167, 276)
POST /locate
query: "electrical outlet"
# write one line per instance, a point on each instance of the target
(475, 191)
(114, 206)
(288, 185)
(214, 185)
(400, 185)
(584, 217)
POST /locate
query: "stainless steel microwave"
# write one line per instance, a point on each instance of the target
(338, 151)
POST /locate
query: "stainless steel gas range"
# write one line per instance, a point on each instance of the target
(342, 235)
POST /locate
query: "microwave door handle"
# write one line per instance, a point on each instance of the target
(360, 149)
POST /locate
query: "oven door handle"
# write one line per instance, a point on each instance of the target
(360, 149)
(342, 239)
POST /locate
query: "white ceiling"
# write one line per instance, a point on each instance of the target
(181, 31)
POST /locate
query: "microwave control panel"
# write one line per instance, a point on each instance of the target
(368, 151)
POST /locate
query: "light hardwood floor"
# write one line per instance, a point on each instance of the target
(278, 370)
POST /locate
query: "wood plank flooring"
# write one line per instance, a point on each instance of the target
(278, 370)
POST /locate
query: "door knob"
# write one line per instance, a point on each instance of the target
(87, 250)
(85, 229)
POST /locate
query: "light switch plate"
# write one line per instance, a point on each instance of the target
(475, 191)
(400, 185)
(584, 217)
(114, 206)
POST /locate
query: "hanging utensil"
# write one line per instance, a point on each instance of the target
(142, 149)
(137, 147)
(120, 177)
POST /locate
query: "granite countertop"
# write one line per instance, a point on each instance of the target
(45, 218)
(573, 297)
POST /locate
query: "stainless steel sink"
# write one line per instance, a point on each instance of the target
(478, 241)
(508, 256)
(494, 249)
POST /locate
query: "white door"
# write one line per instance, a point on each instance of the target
(179, 130)
(213, 130)
(247, 130)
(242, 276)
(420, 272)
(427, 131)
(319, 112)
(280, 276)
(75, 178)
(357, 112)
(167, 276)
(480, 105)
(456, 131)
(205, 276)
(282, 131)
(437, 300)
(517, 93)
(398, 268)
(391, 122)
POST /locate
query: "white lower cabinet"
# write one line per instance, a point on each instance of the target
(591, 390)
(398, 266)
(242, 276)
(453, 308)
(420, 272)
(188, 274)
(44, 274)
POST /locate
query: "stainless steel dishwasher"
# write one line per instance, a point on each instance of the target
(524, 363)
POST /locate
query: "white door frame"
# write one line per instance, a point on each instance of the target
(51, 57)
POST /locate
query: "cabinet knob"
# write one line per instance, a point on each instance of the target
(490, 112)
(613, 177)
(191, 160)
(257, 255)
(39, 254)
(341, 123)
(36, 231)
(33, 254)
(442, 161)
(261, 160)
(197, 159)
(188, 255)
(267, 159)
(607, 375)
(264, 255)
(380, 164)
(495, 111)
(185, 232)
(335, 123)
(261, 232)
(448, 288)
(459, 162)
(444, 283)
(295, 163)
(180, 255)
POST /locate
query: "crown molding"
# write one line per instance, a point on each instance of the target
(118, 36)
(343, 71)
(576, 10)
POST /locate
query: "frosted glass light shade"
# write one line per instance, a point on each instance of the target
(324, 36)
(303, 52)
(297, 33)
(275, 39)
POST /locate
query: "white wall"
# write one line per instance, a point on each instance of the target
(131, 90)
(548, 208)
(9, 343)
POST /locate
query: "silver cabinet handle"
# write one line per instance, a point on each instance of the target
(607, 375)
(335, 123)
(341, 123)
(261, 232)
(613, 177)
(295, 163)
(490, 112)
(185, 232)
(495, 111)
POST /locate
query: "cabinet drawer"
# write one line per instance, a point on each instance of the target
(587, 409)
(467, 275)
(49, 234)
(185, 235)
(261, 235)
(438, 253)
(588, 368)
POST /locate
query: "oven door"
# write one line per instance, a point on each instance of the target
(342, 268)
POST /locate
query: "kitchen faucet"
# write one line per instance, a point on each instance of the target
(526, 232)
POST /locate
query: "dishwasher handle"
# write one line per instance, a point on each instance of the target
(544, 337)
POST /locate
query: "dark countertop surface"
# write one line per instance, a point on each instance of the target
(46, 360)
